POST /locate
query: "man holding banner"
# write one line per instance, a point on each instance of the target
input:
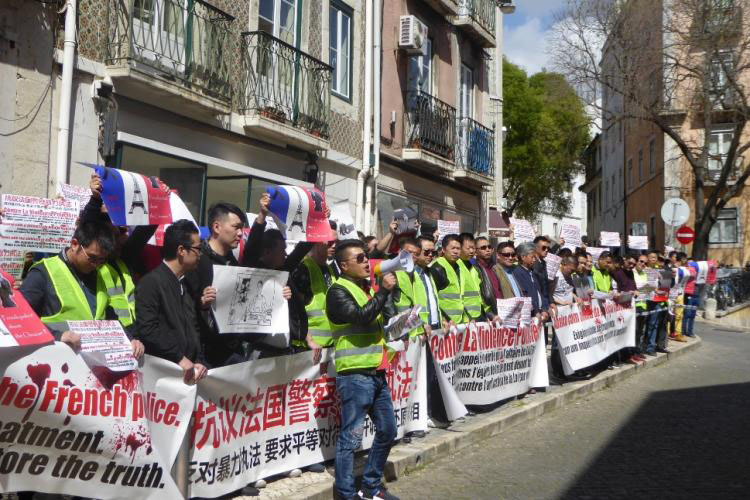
(445, 273)
(356, 317)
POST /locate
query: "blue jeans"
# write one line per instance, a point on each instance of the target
(688, 317)
(654, 324)
(362, 395)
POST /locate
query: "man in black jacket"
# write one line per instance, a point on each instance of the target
(165, 310)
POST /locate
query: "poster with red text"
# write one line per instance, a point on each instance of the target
(133, 199)
(300, 213)
(19, 324)
(31, 224)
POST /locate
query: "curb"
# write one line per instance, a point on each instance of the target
(405, 458)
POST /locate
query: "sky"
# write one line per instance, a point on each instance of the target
(525, 33)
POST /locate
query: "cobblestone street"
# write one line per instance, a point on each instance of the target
(681, 430)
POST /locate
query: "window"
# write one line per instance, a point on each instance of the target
(652, 157)
(640, 165)
(340, 45)
(717, 81)
(726, 228)
(631, 181)
(278, 18)
(420, 69)
(718, 148)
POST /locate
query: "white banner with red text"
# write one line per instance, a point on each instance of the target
(589, 332)
(68, 428)
(264, 417)
(481, 364)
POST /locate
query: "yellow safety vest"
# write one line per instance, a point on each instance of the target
(317, 321)
(412, 294)
(121, 291)
(450, 298)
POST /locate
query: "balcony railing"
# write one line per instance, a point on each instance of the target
(476, 147)
(185, 40)
(282, 83)
(430, 124)
(481, 11)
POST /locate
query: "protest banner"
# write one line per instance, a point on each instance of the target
(445, 227)
(260, 418)
(522, 230)
(638, 242)
(486, 364)
(65, 429)
(552, 262)
(249, 300)
(104, 343)
(71, 192)
(179, 211)
(19, 325)
(299, 213)
(609, 239)
(342, 216)
(514, 311)
(133, 199)
(37, 224)
(11, 261)
(590, 332)
(595, 252)
(571, 233)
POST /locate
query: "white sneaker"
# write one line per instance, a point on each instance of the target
(295, 473)
(260, 483)
(430, 423)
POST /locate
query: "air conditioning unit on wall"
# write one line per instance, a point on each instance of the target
(412, 34)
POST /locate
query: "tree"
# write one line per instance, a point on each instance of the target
(547, 132)
(681, 65)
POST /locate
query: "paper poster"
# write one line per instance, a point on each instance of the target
(12, 261)
(104, 343)
(133, 199)
(514, 311)
(702, 272)
(553, 264)
(609, 239)
(19, 325)
(402, 324)
(446, 227)
(342, 216)
(596, 252)
(571, 233)
(249, 300)
(79, 193)
(522, 230)
(37, 224)
(179, 211)
(668, 250)
(300, 213)
(638, 242)
(407, 221)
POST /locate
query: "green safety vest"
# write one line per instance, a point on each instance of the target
(470, 292)
(121, 291)
(73, 303)
(357, 346)
(412, 294)
(602, 281)
(449, 298)
(317, 321)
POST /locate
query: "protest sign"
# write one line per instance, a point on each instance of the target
(485, 364)
(299, 213)
(445, 227)
(406, 219)
(522, 230)
(342, 216)
(249, 300)
(571, 233)
(590, 332)
(79, 193)
(71, 431)
(19, 325)
(133, 199)
(259, 418)
(179, 211)
(702, 272)
(638, 242)
(11, 261)
(595, 252)
(668, 249)
(402, 324)
(552, 262)
(514, 311)
(104, 343)
(609, 239)
(37, 224)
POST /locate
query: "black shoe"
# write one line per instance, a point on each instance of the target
(651, 353)
(576, 377)
(250, 491)
(316, 468)
(379, 494)
(662, 350)
(418, 434)
(406, 439)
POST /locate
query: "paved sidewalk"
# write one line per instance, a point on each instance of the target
(438, 443)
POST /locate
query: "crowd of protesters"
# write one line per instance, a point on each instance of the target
(164, 301)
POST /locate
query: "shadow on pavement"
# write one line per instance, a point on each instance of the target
(691, 443)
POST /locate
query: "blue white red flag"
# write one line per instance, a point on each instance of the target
(133, 199)
(300, 213)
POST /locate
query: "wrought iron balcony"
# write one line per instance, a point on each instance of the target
(184, 40)
(476, 148)
(478, 17)
(282, 83)
(430, 124)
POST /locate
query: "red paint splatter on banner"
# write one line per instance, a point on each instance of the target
(107, 378)
(67, 420)
(39, 375)
(132, 441)
(68, 382)
(65, 368)
(130, 382)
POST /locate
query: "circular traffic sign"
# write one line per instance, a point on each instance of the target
(675, 212)
(685, 235)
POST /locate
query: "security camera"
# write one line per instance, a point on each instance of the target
(102, 89)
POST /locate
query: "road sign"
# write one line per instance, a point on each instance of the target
(685, 235)
(675, 212)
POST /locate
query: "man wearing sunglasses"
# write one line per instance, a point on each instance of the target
(490, 283)
(70, 286)
(506, 264)
(355, 314)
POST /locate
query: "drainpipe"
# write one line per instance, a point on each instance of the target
(63, 135)
(367, 128)
(372, 187)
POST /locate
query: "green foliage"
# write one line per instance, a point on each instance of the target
(547, 133)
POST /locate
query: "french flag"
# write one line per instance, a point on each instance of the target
(133, 199)
(300, 213)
